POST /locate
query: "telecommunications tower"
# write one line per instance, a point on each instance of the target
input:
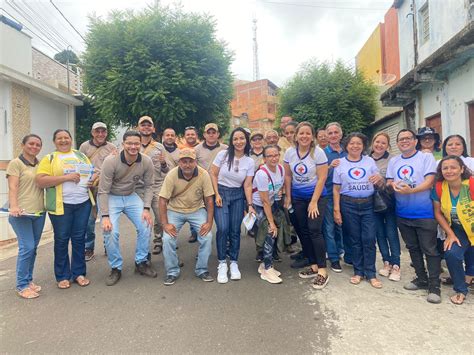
(256, 70)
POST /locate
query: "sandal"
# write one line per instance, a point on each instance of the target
(82, 281)
(356, 279)
(28, 293)
(63, 284)
(375, 283)
(458, 298)
(35, 287)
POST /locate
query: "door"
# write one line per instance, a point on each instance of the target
(435, 123)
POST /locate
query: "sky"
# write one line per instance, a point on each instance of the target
(289, 32)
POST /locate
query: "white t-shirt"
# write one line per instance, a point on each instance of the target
(353, 176)
(469, 161)
(413, 171)
(241, 168)
(303, 171)
(263, 182)
(75, 193)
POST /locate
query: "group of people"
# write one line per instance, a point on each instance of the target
(339, 197)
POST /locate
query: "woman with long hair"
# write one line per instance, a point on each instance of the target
(456, 145)
(66, 175)
(26, 212)
(306, 170)
(453, 205)
(386, 221)
(231, 174)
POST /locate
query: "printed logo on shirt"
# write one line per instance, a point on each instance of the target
(405, 173)
(300, 169)
(357, 173)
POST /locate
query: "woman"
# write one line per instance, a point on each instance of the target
(322, 138)
(386, 221)
(453, 204)
(306, 170)
(289, 132)
(267, 185)
(456, 145)
(354, 180)
(429, 142)
(65, 174)
(26, 213)
(256, 151)
(231, 174)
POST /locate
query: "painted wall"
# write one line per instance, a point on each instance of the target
(390, 49)
(5, 120)
(15, 49)
(369, 58)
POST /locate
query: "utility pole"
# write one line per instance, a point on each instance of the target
(256, 70)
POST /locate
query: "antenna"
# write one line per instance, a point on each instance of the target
(256, 70)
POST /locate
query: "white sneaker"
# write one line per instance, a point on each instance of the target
(222, 270)
(235, 272)
(270, 276)
(386, 269)
(261, 268)
(395, 274)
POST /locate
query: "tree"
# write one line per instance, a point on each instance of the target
(63, 56)
(161, 62)
(321, 93)
(86, 116)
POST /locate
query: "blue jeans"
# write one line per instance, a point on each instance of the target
(387, 236)
(71, 226)
(228, 220)
(195, 220)
(336, 242)
(132, 207)
(358, 222)
(90, 232)
(455, 257)
(269, 241)
(28, 231)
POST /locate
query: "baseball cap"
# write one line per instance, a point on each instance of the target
(187, 153)
(425, 131)
(211, 126)
(256, 133)
(99, 125)
(145, 118)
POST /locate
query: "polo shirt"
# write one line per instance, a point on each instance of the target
(172, 155)
(332, 155)
(205, 154)
(191, 199)
(257, 158)
(97, 154)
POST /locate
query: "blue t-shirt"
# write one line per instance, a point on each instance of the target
(353, 176)
(303, 171)
(332, 155)
(412, 171)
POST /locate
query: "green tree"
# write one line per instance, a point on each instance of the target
(161, 62)
(63, 56)
(321, 93)
(86, 116)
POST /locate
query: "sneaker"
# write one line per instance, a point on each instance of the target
(235, 272)
(222, 270)
(206, 277)
(170, 280)
(320, 281)
(297, 256)
(88, 255)
(309, 273)
(270, 276)
(144, 268)
(261, 269)
(277, 258)
(336, 266)
(416, 284)
(299, 264)
(259, 257)
(395, 273)
(385, 271)
(157, 249)
(434, 295)
(193, 238)
(114, 277)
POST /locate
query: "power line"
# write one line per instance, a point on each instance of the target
(52, 3)
(322, 6)
(46, 10)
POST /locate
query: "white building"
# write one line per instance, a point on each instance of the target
(436, 88)
(30, 100)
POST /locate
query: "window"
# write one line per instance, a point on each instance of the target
(424, 27)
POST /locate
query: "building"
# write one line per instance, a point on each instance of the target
(34, 98)
(254, 104)
(436, 56)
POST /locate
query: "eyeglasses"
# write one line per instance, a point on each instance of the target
(405, 139)
(258, 138)
(236, 165)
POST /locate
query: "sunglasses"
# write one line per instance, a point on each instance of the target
(236, 165)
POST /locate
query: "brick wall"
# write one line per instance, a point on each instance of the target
(20, 115)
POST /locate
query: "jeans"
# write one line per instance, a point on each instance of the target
(419, 235)
(90, 232)
(132, 207)
(269, 241)
(310, 231)
(228, 220)
(455, 257)
(195, 219)
(387, 236)
(28, 231)
(358, 223)
(336, 242)
(71, 226)
(155, 206)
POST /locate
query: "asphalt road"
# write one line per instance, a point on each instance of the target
(247, 316)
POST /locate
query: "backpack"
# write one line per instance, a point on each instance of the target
(269, 176)
(439, 188)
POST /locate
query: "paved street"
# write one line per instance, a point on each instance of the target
(247, 316)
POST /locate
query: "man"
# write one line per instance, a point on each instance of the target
(155, 151)
(96, 149)
(171, 148)
(207, 150)
(337, 243)
(187, 196)
(411, 175)
(190, 138)
(119, 177)
(283, 142)
(271, 137)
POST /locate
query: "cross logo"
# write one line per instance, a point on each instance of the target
(300, 169)
(357, 173)
(405, 172)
